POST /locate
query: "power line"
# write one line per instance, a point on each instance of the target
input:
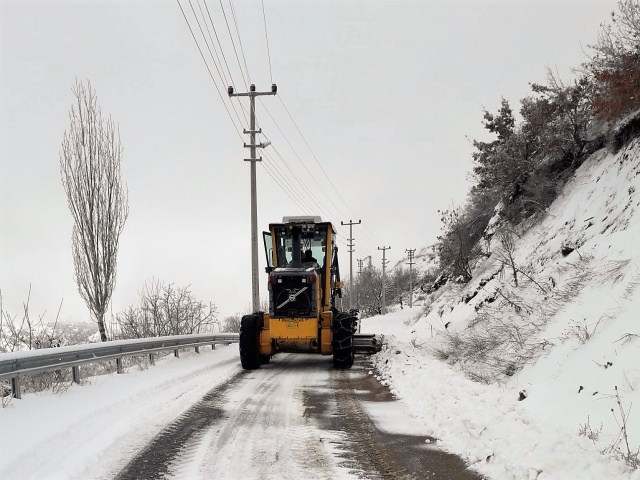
(220, 74)
(235, 20)
(209, 70)
(288, 186)
(370, 234)
(297, 178)
(272, 169)
(304, 188)
(204, 36)
(312, 154)
(293, 173)
(211, 38)
(230, 81)
(264, 17)
(319, 208)
(246, 84)
(219, 42)
(302, 162)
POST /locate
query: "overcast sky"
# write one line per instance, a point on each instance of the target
(385, 93)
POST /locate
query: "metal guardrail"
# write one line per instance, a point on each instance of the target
(13, 365)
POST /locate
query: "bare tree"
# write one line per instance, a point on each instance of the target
(165, 309)
(90, 164)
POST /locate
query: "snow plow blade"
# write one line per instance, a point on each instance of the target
(367, 343)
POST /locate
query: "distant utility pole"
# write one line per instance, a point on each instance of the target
(360, 263)
(252, 94)
(411, 263)
(351, 245)
(384, 278)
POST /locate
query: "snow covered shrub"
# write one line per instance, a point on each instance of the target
(29, 334)
(619, 446)
(231, 324)
(368, 291)
(5, 395)
(141, 361)
(58, 381)
(592, 434)
(581, 331)
(458, 250)
(494, 346)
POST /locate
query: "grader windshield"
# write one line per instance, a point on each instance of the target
(297, 245)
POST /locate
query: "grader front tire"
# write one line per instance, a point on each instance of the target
(343, 329)
(250, 357)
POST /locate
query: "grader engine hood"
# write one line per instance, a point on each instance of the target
(293, 293)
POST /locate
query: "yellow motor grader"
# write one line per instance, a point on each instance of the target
(304, 285)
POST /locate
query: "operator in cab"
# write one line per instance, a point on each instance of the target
(308, 257)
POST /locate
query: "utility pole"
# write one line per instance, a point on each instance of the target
(411, 264)
(384, 266)
(360, 263)
(351, 245)
(252, 94)
(360, 267)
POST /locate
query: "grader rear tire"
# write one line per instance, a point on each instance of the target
(344, 327)
(249, 342)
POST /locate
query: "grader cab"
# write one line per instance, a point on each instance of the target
(304, 285)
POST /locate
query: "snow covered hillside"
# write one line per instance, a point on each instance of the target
(549, 330)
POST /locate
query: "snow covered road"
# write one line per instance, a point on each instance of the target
(202, 416)
(294, 418)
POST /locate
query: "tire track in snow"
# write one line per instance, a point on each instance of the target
(155, 459)
(294, 418)
(266, 434)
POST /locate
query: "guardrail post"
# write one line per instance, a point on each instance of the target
(152, 359)
(197, 349)
(213, 346)
(176, 353)
(75, 374)
(15, 387)
(119, 368)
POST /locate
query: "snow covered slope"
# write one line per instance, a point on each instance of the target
(555, 355)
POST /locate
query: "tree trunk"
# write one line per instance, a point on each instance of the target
(101, 328)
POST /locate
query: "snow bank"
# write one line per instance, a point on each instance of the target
(577, 313)
(84, 432)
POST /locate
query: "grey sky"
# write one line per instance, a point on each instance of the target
(384, 92)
